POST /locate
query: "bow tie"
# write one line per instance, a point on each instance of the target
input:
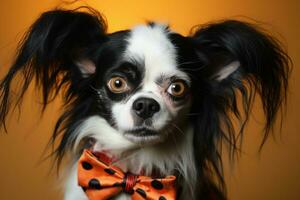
(101, 181)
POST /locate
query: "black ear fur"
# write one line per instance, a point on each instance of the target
(49, 52)
(264, 68)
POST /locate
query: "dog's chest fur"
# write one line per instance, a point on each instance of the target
(171, 157)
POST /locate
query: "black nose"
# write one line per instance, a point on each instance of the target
(145, 107)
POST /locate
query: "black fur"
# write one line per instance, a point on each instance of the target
(56, 42)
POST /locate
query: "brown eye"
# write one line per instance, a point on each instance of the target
(118, 85)
(177, 89)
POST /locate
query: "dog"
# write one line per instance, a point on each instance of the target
(156, 101)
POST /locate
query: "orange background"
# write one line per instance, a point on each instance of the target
(273, 174)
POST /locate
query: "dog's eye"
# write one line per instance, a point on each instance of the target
(177, 89)
(118, 85)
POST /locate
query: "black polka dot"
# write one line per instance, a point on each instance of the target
(157, 185)
(110, 171)
(94, 184)
(118, 184)
(141, 192)
(162, 198)
(86, 166)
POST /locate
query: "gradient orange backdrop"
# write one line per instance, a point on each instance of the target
(273, 174)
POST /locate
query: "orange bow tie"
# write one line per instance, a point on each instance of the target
(101, 181)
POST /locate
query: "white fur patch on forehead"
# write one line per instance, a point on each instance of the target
(151, 45)
(146, 39)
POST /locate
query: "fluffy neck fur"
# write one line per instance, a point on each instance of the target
(174, 156)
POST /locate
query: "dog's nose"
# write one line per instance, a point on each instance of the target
(145, 107)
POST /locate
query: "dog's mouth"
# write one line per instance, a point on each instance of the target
(143, 135)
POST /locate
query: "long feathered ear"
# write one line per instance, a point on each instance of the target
(56, 51)
(238, 53)
(235, 56)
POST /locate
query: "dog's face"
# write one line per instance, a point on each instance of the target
(143, 91)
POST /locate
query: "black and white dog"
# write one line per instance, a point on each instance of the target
(159, 102)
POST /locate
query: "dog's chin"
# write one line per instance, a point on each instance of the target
(144, 136)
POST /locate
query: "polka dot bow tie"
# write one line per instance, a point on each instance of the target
(101, 181)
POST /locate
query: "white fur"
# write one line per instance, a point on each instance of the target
(151, 46)
(72, 190)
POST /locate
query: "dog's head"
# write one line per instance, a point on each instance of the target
(148, 81)
(141, 83)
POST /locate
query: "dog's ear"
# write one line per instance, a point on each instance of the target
(57, 51)
(235, 54)
(235, 58)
